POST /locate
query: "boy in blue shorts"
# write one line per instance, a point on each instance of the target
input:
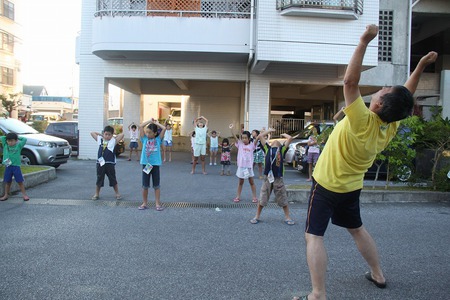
(273, 176)
(12, 146)
(349, 152)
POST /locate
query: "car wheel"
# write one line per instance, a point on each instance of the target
(404, 173)
(27, 158)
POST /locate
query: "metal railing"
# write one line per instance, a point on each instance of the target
(175, 8)
(353, 5)
(284, 125)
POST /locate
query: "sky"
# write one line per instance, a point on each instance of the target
(50, 28)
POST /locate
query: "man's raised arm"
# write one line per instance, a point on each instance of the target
(354, 68)
(413, 80)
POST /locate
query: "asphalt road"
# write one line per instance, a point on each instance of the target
(61, 245)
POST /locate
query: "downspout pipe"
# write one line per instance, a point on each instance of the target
(249, 62)
(411, 5)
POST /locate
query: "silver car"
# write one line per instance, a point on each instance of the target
(40, 149)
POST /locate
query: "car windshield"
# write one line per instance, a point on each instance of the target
(13, 125)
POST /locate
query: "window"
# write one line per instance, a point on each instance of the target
(8, 9)
(7, 76)
(7, 42)
(385, 35)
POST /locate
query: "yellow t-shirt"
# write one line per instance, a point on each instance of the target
(352, 148)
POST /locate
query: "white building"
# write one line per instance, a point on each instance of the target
(10, 43)
(232, 60)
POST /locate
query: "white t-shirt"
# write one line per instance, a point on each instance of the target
(168, 135)
(134, 135)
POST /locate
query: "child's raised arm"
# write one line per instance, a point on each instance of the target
(163, 128)
(288, 139)
(142, 127)
(206, 120)
(233, 135)
(95, 135)
(120, 136)
(262, 135)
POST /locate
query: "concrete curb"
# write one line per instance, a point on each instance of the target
(31, 179)
(380, 196)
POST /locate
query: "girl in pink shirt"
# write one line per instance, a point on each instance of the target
(245, 163)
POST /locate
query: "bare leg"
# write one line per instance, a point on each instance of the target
(368, 249)
(7, 190)
(164, 153)
(116, 190)
(144, 197)
(157, 197)
(170, 153)
(22, 189)
(239, 190)
(317, 262)
(252, 186)
(310, 172)
(286, 213)
(97, 191)
(194, 162)
(202, 159)
(259, 209)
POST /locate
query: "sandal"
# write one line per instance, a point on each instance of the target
(118, 197)
(4, 199)
(255, 200)
(159, 208)
(142, 207)
(95, 197)
(236, 200)
(289, 222)
(26, 198)
(254, 221)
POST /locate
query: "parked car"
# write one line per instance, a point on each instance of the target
(299, 143)
(69, 130)
(40, 149)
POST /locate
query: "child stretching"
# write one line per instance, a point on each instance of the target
(168, 142)
(225, 157)
(106, 160)
(201, 128)
(151, 160)
(258, 154)
(244, 163)
(273, 180)
(12, 145)
(134, 136)
(213, 147)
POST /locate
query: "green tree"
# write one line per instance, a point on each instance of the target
(399, 154)
(10, 102)
(435, 136)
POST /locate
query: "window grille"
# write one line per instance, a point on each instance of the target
(385, 35)
(176, 8)
(7, 42)
(7, 76)
(8, 9)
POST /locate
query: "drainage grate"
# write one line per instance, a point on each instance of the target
(122, 203)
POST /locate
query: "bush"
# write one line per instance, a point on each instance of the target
(39, 125)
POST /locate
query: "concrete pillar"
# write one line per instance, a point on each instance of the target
(445, 93)
(93, 109)
(131, 111)
(259, 103)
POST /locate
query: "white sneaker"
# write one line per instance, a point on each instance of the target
(215, 164)
(210, 164)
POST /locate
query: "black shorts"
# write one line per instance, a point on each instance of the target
(108, 170)
(341, 208)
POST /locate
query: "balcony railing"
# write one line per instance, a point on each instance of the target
(356, 6)
(175, 8)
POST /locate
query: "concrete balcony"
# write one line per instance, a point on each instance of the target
(156, 32)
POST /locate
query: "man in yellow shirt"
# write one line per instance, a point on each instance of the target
(349, 152)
